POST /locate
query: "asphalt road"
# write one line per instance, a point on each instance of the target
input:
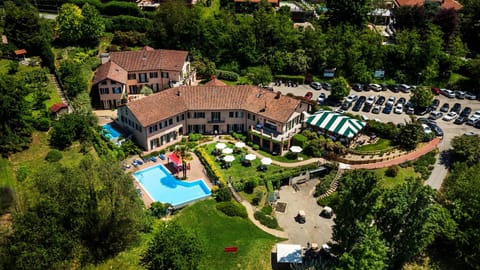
(450, 130)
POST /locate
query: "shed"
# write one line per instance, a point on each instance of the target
(20, 54)
(59, 108)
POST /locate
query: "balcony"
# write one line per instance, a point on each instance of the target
(216, 121)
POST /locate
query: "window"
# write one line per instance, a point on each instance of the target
(170, 121)
(199, 115)
(117, 90)
(133, 89)
(153, 74)
(104, 82)
(230, 114)
(238, 114)
(143, 77)
(132, 76)
(215, 116)
(104, 91)
(164, 74)
(155, 87)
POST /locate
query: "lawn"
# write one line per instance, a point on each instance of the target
(7, 177)
(220, 231)
(284, 158)
(380, 145)
(391, 182)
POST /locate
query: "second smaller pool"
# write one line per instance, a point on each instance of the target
(161, 186)
(109, 132)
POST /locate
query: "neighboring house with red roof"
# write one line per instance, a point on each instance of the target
(161, 119)
(444, 4)
(124, 73)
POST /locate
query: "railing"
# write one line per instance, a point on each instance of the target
(213, 121)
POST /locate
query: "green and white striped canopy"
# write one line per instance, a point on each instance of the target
(336, 123)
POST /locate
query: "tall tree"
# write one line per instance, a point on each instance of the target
(339, 88)
(409, 136)
(422, 97)
(470, 28)
(352, 12)
(173, 247)
(93, 24)
(69, 23)
(465, 149)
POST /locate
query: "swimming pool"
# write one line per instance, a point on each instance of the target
(161, 186)
(109, 132)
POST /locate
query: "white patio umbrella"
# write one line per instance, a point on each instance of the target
(296, 149)
(266, 161)
(229, 158)
(220, 146)
(240, 144)
(227, 151)
(250, 157)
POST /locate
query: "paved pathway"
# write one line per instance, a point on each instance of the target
(251, 211)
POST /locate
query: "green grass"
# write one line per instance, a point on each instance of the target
(220, 231)
(380, 145)
(283, 158)
(249, 196)
(391, 182)
(7, 177)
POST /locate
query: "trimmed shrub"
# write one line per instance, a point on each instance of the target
(158, 209)
(256, 147)
(22, 173)
(232, 209)
(223, 195)
(300, 140)
(53, 156)
(250, 186)
(267, 209)
(127, 23)
(115, 8)
(392, 171)
(266, 220)
(226, 75)
(193, 137)
(258, 198)
(42, 124)
(269, 185)
(239, 136)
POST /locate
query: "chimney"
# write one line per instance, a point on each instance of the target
(104, 57)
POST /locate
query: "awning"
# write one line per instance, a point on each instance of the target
(175, 159)
(288, 253)
(336, 123)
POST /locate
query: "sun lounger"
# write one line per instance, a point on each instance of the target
(139, 162)
(154, 159)
(161, 156)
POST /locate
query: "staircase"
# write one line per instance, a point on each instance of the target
(60, 92)
(333, 185)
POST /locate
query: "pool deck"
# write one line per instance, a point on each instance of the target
(196, 172)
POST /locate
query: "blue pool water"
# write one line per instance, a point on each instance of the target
(109, 132)
(161, 186)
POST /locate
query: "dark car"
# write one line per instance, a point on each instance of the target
(380, 100)
(332, 102)
(393, 88)
(427, 121)
(387, 109)
(435, 104)
(401, 100)
(346, 105)
(445, 107)
(357, 106)
(327, 86)
(362, 99)
(477, 124)
(466, 112)
(357, 86)
(438, 131)
(460, 120)
(309, 95)
(367, 108)
(456, 108)
(422, 110)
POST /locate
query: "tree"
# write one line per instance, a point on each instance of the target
(370, 252)
(358, 199)
(422, 97)
(146, 90)
(93, 24)
(348, 12)
(460, 194)
(409, 136)
(409, 220)
(465, 149)
(173, 247)
(261, 75)
(339, 88)
(470, 28)
(69, 23)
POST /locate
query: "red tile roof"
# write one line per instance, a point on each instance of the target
(57, 107)
(147, 59)
(112, 71)
(215, 82)
(20, 52)
(445, 4)
(174, 101)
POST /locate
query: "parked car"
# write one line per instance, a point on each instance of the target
(398, 108)
(460, 120)
(424, 120)
(375, 87)
(409, 110)
(404, 88)
(387, 109)
(376, 109)
(393, 88)
(367, 107)
(450, 116)
(401, 100)
(380, 100)
(436, 91)
(438, 131)
(391, 100)
(470, 95)
(426, 129)
(357, 86)
(327, 86)
(477, 124)
(447, 92)
(370, 100)
(435, 115)
(472, 120)
(357, 106)
(460, 94)
(321, 98)
(435, 104)
(362, 99)
(445, 107)
(466, 112)
(316, 85)
(309, 95)
(456, 108)
(332, 102)
(352, 98)
(346, 105)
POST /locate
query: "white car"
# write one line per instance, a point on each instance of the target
(375, 87)
(370, 100)
(391, 100)
(398, 108)
(476, 114)
(352, 98)
(447, 92)
(450, 116)
(426, 129)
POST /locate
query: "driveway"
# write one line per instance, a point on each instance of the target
(316, 229)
